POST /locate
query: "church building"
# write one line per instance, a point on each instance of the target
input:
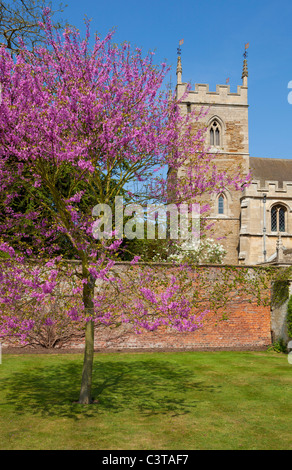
(251, 222)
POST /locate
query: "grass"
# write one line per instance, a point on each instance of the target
(148, 401)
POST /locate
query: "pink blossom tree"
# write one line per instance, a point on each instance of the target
(77, 126)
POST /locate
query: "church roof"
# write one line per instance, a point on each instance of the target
(271, 169)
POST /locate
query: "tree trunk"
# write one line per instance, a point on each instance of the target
(85, 393)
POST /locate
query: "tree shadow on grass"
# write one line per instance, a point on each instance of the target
(144, 387)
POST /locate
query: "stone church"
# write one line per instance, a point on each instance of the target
(254, 222)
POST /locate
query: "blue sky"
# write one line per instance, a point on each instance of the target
(214, 34)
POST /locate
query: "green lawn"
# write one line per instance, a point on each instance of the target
(148, 401)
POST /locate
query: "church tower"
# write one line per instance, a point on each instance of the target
(227, 138)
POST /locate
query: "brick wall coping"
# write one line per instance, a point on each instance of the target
(167, 264)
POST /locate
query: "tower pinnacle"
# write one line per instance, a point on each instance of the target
(179, 67)
(179, 70)
(245, 70)
(279, 248)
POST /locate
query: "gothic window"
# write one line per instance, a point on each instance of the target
(278, 218)
(221, 204)
(215, 134)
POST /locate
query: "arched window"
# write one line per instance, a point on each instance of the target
(278, 218)
(221, 204)
(215, 134)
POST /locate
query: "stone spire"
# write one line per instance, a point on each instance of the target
(179, 67)
(245, 70)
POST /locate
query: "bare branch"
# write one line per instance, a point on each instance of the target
(21, 18)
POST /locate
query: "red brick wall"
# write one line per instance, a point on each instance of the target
(242, 324)
(247, 327)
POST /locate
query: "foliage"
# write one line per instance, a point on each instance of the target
(77, 127)
(207, 252)
(279, 346)
(289, 317)
(280, 291)
(280, 287)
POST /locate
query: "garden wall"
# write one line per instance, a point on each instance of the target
(241, 324)
(239, 321)
(247, 328)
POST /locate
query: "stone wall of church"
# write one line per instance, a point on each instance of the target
(244, 226)
(252, 240)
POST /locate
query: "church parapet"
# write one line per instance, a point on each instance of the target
(202, 94)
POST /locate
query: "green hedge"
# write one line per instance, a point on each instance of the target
(289, 316)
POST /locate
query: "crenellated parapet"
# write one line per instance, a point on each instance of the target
(202, 95)
(277, 189)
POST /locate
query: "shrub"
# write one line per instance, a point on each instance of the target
(289, 317)
(278, 346)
